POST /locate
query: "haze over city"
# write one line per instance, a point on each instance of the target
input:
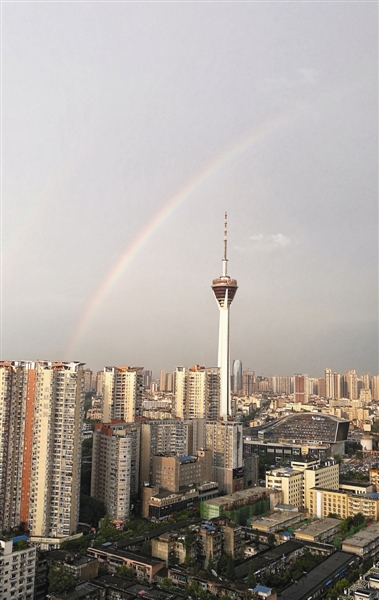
(128, 129)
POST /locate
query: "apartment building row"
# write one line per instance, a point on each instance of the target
(165, 456)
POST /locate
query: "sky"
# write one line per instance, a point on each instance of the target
(129, 128)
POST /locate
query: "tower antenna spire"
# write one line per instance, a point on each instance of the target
(225, 260)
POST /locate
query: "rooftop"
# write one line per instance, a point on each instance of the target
(318, 527)
(267, 557)
(241, 495)
(308, 585)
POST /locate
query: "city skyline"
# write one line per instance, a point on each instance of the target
(122, 151)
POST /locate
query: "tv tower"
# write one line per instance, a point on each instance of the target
(224, 289)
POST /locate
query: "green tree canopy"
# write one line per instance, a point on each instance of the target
(60, 579)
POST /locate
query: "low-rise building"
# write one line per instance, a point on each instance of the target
(209, 544)
(317, 582)
(158, 504)
(84, 591)
(83, 568)
(322, 502)
(171, 472)
(170, 547)
(232, 540)
(357, 487)
(318, 531)
(241, 505)
(277, 520)
(145, 568)
(364, 543)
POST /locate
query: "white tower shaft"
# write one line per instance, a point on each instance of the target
(223, 359)
(224, 289)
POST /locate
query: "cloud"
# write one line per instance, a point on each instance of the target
(265, 243)
(309, 75)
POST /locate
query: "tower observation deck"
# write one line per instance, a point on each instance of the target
(224, 289)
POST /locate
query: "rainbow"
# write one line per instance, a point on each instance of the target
(132, 249)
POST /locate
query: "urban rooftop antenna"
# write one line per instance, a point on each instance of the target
(225, 260)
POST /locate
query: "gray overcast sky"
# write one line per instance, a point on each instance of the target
(112, 111)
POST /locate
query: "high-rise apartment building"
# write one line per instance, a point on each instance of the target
(301, 389)
(169, 382)
(99, 382)
(280, 385)
(115, 466)
(122, 393)
(41, 416)
(321, 387)
(159, 437)
(224, 289)
(351, 385)
(332, 384)
(147, 377)
(197, 393)
(248, 383)
(162, 381)
(225, 441)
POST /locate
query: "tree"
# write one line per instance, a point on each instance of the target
(60, 579)
(126, 572)
(21, 545)
(251, 579)
(87, 447)
(91, 510)
(271, 539)
(230, 572)
(211, 564)
(166, 584)
(146, 548)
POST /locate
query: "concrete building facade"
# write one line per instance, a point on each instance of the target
(160, 437)
(41, 416)
(197, 393)
(122, 393)
(225, 441)
(115, 466)
(171, 472)
(17, 570)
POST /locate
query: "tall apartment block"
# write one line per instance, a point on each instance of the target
(248, 383)
(115, 466)
(301, 391)
(160, 437)
(332, 384)
(41, 416)
(351, 385)
(197, 393)
(122, 393)
(225, 441)
(147, 377)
